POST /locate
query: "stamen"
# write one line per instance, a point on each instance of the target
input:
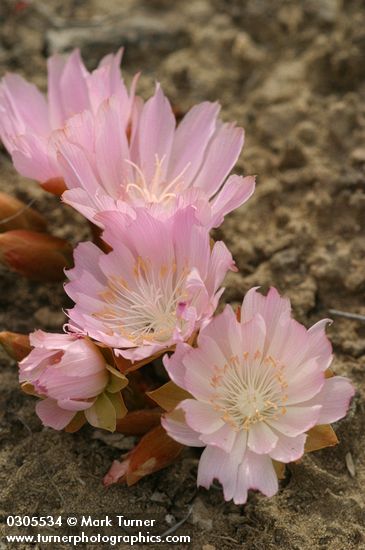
(249, 390)
(147, 310)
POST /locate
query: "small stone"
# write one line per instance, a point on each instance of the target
(208, 547)
(358, 155)
(201, 516)
(350, 464)
(159, 497)
(170, 519)
(49, 318)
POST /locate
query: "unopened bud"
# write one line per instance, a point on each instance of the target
(38, 256)
(15, 214)
(16, 345)
(56, 186)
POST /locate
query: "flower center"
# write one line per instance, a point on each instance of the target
(249, 390)
(149, 310)
(157, 190)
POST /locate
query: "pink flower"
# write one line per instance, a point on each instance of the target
(158, 285)
(70, 373)
(27, 118)
(156, 164)
(257, 387)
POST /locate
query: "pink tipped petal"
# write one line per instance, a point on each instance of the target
(235, 192)
(52, 415)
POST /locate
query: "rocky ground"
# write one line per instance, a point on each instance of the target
(292, 73)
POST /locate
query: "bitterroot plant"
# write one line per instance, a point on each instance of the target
(145, 350)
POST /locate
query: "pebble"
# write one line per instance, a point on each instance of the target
(201, 516)
(49, 318)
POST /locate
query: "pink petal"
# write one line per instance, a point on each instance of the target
(72, 83)
(288, 449)
(256, 472)
(86, 258)
(306, 382)
(335, 398)
(33, 158)
(55, 66)
(52, 415)
(319, 344)
(216, 464)
(253, 335)
(200, 416)
(224, 438)
(74, 404)
(155, 135)
(175, 365)
(28, 105)
(271, 307)
(220, 262)
(191, 140)
(111, 148)
(222, 154)
(235, 192)
(180, 431)
(221, 338)
(261, 438)
(76, 168)
(296, 420)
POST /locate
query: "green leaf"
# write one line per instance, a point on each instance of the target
(117, 380)
(102, 414)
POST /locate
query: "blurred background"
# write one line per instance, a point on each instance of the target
(292, 73)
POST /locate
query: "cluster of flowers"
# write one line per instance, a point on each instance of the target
(254, 387)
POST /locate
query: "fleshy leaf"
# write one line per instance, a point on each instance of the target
(117, 380)
(168, 396)
(76, 423)
(319, 437)
(139, 422)
(118, 404)
(155, 451)
(16, 345)
(102, 414)
(279, 468)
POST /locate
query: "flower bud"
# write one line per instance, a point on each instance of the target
(15, 214)
(16, 345)
(71, 376)
(38, 256)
